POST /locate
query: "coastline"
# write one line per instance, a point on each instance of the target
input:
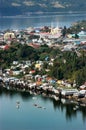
(72, 95)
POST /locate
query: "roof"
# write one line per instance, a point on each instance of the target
(6, 47)
(34, 45)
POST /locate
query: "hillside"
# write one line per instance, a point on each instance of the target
(22, 7)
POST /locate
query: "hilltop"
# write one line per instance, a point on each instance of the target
(24, 7)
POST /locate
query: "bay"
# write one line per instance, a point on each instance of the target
(56, 115)
(38, 21)
(52, 115)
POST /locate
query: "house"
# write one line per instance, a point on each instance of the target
(59, 82)
(69, 47)
(15, 62)
(9, 35)
(16, 72)
(68, 92)
(32, 72)
(37, 77)
(34, 45)
(28, 77)
(38, 83)
(6, 47)
(82, 34)
(82, 92)
(82, 87)
(38, 66)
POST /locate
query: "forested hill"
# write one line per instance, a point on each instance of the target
(22, 7)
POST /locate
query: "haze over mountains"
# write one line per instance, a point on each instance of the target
(24, 7)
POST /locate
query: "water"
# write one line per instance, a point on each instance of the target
(56, 116)
(37, 21)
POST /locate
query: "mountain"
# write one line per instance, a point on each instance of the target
(22, 7)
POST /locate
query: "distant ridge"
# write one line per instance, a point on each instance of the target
(28, 7)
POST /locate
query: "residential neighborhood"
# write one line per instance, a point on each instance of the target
(35, 75)
(42, 64)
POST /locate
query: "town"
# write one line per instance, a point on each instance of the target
(45, 60)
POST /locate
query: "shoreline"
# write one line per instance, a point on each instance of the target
(51, 92)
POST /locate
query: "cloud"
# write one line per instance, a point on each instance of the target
(28, 3)
(57, 5)
(15, 4)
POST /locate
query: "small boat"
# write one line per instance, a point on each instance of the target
(35, 105)
(34, 98)
(17, 106)
(39, 107)
(76, 107)
(18, 102)
(44, 107)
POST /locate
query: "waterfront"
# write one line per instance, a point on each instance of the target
(28, 117)
(38, 21)
(25, 111)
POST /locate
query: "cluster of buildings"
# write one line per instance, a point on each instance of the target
(23, 70)
(42, 84)
(35, 37)
(31, 36)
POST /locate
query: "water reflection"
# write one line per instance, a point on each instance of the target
(70, 113)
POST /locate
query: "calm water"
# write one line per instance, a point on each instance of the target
(37, 21)
(56, 116)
